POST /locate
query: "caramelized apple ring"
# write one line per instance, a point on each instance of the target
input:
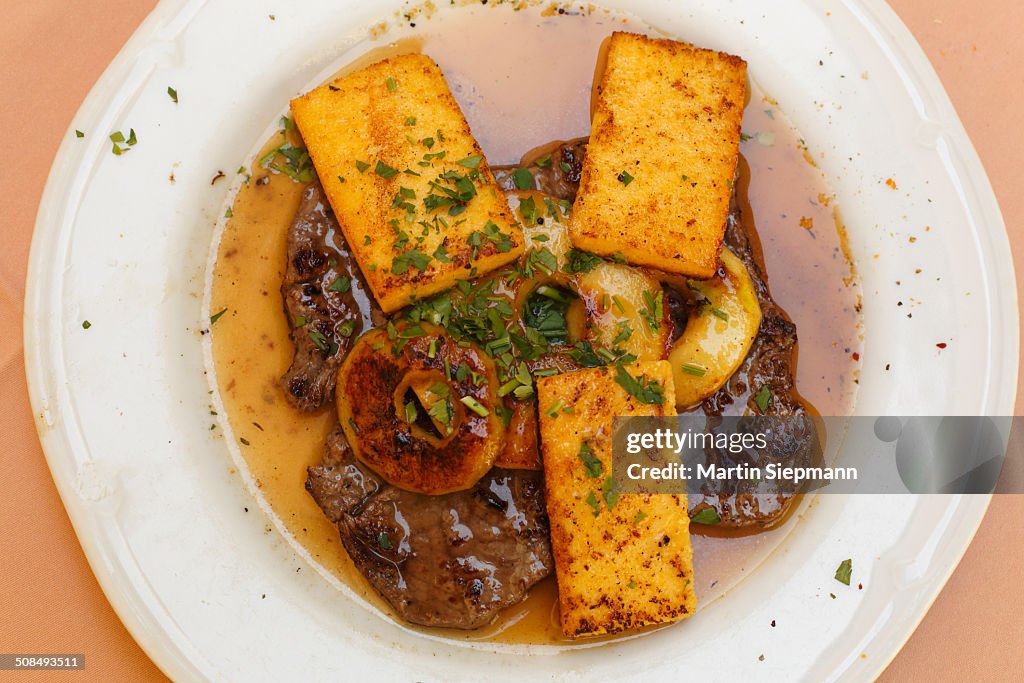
(718, 334)
(419, 409)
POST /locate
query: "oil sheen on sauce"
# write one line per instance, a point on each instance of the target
(514, 103)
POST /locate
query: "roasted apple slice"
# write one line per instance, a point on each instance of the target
(625, 310)
(718, 333)
(419, 409)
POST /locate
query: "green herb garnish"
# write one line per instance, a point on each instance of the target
(414, 258)
(173, 94)
(552, 411)
(706, 516)
(609, 493)
(471, 161)
(763, 398)
(475, 406)
(844, 571)
(341, 284)
(622, 333)
(216, 316)
(595, 468)
(648, 392)
(655, 309)
(577, 261)
(385, 171)
(523, 178)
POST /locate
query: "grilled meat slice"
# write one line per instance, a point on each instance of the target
(320, 287)
(454, 560)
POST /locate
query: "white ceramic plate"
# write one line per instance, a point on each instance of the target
(212, 593)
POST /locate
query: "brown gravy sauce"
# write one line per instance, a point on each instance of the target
(514, 105)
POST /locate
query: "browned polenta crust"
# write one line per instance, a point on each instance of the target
(624, 563)
(400, 112)
(657, 178)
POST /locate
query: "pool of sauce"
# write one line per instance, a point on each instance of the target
(515, 104)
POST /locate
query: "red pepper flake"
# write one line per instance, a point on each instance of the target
(856, 356)
(860, 586)
(941, 345)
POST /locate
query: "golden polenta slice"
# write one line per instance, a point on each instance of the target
(664, 144)
(407, 181)
(622, 561)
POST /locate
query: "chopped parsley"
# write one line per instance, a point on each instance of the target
(441, 411)
(384, 541)
(706, 516)
(528, 210)
(471, 161)
(216, 316)
(625, 178)
(475, 406)
(362, 166)
(392, 85)
(552, 411)
(321, 342)
(341, 284)
(640, 516)
(655, 309)
(591, 500)
(118, 139)
(453, 190)
(577, 261)
(595, 468)
(694, 369)
(414, 257)
(502, 241)
(545, 312)
(763, 398)
(298, 166)
(86, 324)
(385, 171)
(610, 493)
(844, 571)
(544, 161)
(79, 134)
(523, 178)
(173, 94)
(648, 392)
(622, 332)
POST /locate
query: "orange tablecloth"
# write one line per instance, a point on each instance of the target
(52, 52)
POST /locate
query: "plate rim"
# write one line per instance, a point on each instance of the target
(133, 605)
